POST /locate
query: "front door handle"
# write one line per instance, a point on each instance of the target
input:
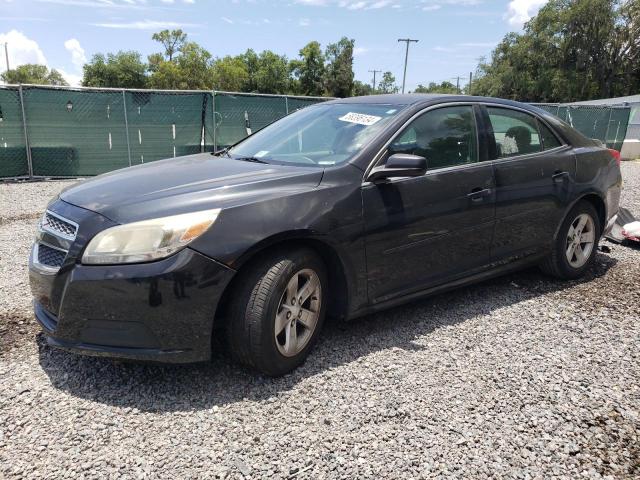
(559, 176)
(478, 193)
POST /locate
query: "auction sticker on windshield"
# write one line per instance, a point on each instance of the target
(359, 118)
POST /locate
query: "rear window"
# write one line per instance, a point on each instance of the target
(549, 140)
(515, 132)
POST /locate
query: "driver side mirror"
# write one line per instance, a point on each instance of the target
(399, 165)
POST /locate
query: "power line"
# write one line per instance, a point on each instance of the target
(374, 77)
(406, 57)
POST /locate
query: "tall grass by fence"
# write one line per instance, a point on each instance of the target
(67, 132)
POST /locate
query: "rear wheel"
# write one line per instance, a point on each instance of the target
(576, 244)
(277, 311)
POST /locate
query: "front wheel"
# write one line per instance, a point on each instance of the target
(576, 244)
(278, 310)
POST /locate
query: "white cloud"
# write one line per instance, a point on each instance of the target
(431, 8)
(99, 3)
(304, 22)
(189, 1)
(71, 78)
(359, 51)
(169, 2)
(78, 57)
(227, 20)
(21, 50)
(145, 25)
(521, 11)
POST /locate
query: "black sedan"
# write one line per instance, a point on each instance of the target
(342, 209)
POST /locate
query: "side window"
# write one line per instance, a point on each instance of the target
(549, 140)
(445, 137)
(516, 132)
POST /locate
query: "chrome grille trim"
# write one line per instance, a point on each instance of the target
(59, 226)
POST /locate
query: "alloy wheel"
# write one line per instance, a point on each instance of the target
(581, 239)
(298, 312)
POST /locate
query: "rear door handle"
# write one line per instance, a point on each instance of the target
(478, 193)
(559, 176)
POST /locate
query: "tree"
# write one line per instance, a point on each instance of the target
(571, 50)
(339, 69)
(309, 69)
(273, 73)
(388, 83)
(34, 74)
(444, 87)
(171, 40)
(362, 88)
(190, 69)
(252, 62)
(230, 73)
(119, 70)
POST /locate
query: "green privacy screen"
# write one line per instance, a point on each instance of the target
(82, 132)
(13, 153)
(607, 123)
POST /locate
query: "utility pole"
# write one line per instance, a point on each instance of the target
(470, 80)
(457, 79)
(374, 78)
(6, 53)
(406, 56)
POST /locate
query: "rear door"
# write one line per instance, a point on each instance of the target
(534, 174)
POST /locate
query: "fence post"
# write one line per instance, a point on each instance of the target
(26, 135)
(606, 133)
(286, 104)
(213, 116)
(126, 124)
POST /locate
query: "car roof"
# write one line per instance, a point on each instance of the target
(424, 99)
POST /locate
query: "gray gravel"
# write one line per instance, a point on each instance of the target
(521, 377)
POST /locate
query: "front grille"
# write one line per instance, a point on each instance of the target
(59, 226)
(51, 257)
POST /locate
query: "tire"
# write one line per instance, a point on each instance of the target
(558, 263)
(263, 300)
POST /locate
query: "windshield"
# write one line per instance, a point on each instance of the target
(321, 135)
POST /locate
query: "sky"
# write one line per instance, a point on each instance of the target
(452, 34)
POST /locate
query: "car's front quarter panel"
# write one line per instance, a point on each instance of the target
(330, 213)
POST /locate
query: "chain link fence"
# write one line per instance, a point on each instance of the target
(49, 132)
(68, 132)
(607, 123)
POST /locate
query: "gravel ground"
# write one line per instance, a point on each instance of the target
(521, 377)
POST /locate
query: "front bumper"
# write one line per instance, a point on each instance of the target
(161, 311)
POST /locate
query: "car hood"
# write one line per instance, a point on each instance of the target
(186, 184)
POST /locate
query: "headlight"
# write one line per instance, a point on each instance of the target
(147, 240)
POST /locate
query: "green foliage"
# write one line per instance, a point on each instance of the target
(339, 69)
(230, 74)
(388, 83)
(272, 75)
(186, 65)
(119, 70)
(309, 70)
(572, 50)
(35, 74)
(361, 88)
(171, 40)
(444, 87)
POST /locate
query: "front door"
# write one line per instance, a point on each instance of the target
(424, 231)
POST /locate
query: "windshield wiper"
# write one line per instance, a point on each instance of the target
(250, 159)
(224, 151)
